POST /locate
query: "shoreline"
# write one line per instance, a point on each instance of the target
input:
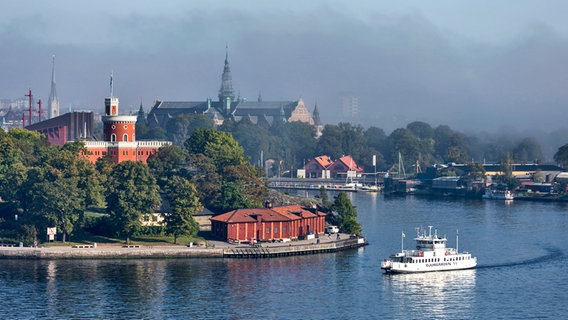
(217, 250)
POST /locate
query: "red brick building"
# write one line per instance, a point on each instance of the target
(268, 224)
(341, 167)
(316, 167)
(120, 138)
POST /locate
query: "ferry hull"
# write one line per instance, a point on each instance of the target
(396, 267)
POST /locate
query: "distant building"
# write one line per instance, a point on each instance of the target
(345, 167)
(268, 224)
(317, 167)
(120, 138)
(231, 107)
(77, 125)
(349, 106)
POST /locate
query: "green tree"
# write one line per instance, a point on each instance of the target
(132, 192)
(59, 203)
(346, 214)
(528, 150)
(217, 145)
(561, 156)
(184, 203)
(170, 160)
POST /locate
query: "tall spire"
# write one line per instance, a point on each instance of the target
(53, 103)
(226, 90)
(316, 115)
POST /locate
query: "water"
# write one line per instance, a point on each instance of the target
(522, 274)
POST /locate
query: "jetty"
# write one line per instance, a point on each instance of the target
(213, 249)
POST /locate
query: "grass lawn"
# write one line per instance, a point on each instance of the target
(135, 240)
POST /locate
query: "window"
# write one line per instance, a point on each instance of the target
(113, 137)
(267, 230)
(125, 137)
(283, 229)
(275, 229)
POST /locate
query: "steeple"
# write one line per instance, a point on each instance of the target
(53, 103)
(226, 91)
(316, 115)
(317, 121)
(141, 117)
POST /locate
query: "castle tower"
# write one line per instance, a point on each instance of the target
(226, 93)
(52, 103)
(117, 128)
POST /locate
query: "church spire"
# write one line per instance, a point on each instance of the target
(226, 92)
(53, 103)
(316, 115)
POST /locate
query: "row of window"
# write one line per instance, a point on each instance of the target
(124, 152)
(424, 260)
(124, 137)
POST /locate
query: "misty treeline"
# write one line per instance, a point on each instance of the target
(292, 144)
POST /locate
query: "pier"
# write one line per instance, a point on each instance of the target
(216, 249)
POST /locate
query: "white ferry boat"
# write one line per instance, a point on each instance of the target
(430, 254)
(498, 195)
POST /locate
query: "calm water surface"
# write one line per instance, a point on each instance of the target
(522, 274)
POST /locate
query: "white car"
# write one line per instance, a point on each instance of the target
(331, 229)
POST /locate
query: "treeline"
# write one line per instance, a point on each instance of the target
(42, 185)
(293, 144)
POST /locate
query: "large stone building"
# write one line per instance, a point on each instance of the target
(229, 106)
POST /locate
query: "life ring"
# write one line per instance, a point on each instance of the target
(446, 252)
(420, 254)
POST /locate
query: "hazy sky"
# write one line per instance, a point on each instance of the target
(470, 64)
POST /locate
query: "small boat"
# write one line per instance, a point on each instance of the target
(431, 254)
(369, 188)
(498, 195)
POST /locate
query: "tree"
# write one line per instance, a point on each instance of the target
(346, 214)
(168, 161)
(184, 203)
(561, 156)
(217, 145)
(132, 192)
(59, 203)
(528, 150)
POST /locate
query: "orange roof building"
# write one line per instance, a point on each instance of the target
(268, 224)
(316, 167)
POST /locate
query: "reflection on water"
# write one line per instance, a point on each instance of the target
(432, 294)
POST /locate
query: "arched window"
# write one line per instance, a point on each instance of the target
(113, 137)
(125, 137)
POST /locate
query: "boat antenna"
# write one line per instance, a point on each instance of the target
(402, 241)
(457, 241)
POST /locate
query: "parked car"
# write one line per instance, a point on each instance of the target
(331, 229)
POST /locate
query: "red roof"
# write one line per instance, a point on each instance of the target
(285, 213)
(324, 161)
(350, 163)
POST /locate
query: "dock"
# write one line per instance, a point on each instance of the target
(214, 250)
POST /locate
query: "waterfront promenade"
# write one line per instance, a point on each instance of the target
(208, 249)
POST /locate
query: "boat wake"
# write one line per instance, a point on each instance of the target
(553, 254)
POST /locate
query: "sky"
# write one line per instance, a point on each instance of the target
(473, 65)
